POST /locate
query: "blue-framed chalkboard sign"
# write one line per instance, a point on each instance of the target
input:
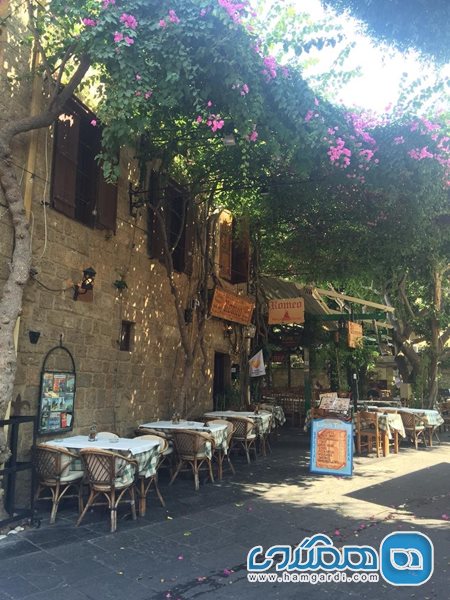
(331, 447)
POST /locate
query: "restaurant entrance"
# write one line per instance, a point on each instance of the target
(222, 379)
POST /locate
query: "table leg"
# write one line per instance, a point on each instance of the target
(385, 443)
(396, 442)
(430, 435)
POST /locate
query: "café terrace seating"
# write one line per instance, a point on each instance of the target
(219, 452)
(244, 435)
(112, 475)
(52, 467)
(148, 476)
(368, 436)
(194, 448)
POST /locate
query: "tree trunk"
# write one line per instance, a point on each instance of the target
(435, 341)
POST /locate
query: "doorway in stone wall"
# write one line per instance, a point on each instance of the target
(222, 380)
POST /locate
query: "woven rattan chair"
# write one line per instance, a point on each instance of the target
(414, 428)
(244, 435)
(191, 448)
(111, 475)
(52, 467)
(444, 409)
(106, 435)
(145, 480)
(367, 433)
(219, 452)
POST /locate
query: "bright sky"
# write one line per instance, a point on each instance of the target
(381, 67)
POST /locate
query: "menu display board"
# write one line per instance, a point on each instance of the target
(335, 404)
(56, 401)
(331, 447)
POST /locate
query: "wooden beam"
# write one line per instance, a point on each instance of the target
(333, 294)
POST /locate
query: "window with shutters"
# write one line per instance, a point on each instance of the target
(178, 212)
(234, 248)
(79, 189)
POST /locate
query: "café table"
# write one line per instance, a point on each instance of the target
(277, 411)
(217, 431)
(262, 419)
(145, 452)
(430, 418)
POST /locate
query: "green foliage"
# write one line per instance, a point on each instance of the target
(422, 24)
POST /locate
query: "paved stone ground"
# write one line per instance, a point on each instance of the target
(196, 548)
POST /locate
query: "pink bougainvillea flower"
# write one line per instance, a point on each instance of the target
(148, 94)
(309, 115)
(316, 101)
(106, 3)
(118, 37)
(138, 77)
(399, 140)
(228, 572)
(162, 23)
(94, 123)
(89, 22)
(129, 20)
(128, 40)
(209, 103)
(203, 12)
(337, 532)
(245, 89)
(173, 17)
(199, 119)
(137, 93)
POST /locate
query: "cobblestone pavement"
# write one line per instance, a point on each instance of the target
(196, 547)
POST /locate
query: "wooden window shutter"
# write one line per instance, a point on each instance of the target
(189, 238)
(241, 252)
(65, 159)
(106, 203)
(225, 245)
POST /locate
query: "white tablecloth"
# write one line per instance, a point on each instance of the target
(132, 445)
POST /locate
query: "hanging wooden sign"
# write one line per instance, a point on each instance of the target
(288, 310)
(355, 334)
(230, 307)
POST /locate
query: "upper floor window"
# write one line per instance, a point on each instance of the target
(234, 248)
(177, 210)
(79, 189)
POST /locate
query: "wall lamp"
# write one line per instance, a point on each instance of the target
(86, 284)
(227, 331)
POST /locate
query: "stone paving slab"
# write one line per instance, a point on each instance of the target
(196, 547)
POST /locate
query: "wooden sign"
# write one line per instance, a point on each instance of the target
(355, 334)
(231, 307)
(290, 310)
(331, 447)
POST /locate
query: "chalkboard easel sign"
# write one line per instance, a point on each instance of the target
(57, 397)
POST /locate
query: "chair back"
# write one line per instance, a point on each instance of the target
(51, 463)
(189, 443)
(102, 467)
(366, 421)
(243, 427)
(163, 443)
(106, 435)
(229, 425)
(148, 431)
(411, 421)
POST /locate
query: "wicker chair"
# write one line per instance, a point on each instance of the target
(106, 435)
(444, 409)
(244, 435)
(52, 467)
(112, 475)
(191, 447)
(219, 452)
(414, 428)
(145, 481)
(367, 433)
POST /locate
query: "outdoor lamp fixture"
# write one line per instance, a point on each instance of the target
(227, 331)
(87, 283)
(229, 140)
